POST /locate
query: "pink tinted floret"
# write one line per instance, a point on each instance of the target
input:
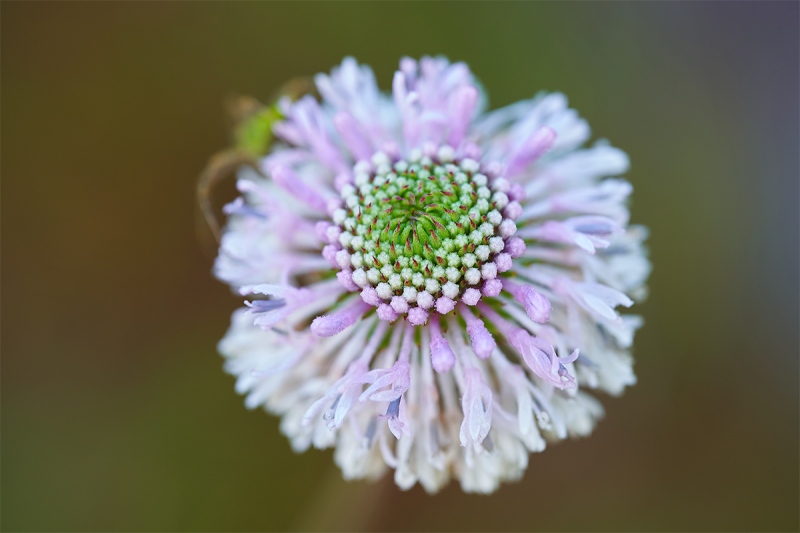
(464, 103)
(329, 325)
(291, 183)
(492, 287)
(351, 135)
(370, 296)
(537, 306)
(399, 304)
(424, 300)
(321, 229)
(516, 192)
(385, 312)
(513, 210)
(515, 247)
(503, 262)
(471, 296)
(537, 144)
(442, 356)
(483, 343)
(476, 404)
(345, 278)
(417, 316)
(329, 253)
(444, 305)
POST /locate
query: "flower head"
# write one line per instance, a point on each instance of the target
(431, 287)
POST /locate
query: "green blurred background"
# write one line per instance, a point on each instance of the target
(116, 415)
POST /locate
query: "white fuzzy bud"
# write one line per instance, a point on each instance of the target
(446, 154)
(453, 274)
(395, 282)
(507, 228)
(343, 258)
(373, 275)
(489, 271)
(410, 294)
(425, 300)
(470, 165)
(360, 277)
(380, 158)
(501, 185)
(450, 290)
(472, 276)
(384, 290)
(345, 239)
(432, 285)
(496, 244)
(500, 199)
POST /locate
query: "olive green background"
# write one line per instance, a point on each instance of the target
(116, 415)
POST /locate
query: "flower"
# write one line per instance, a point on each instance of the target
(431, 287)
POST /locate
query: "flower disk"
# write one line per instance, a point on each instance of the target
(423, 233)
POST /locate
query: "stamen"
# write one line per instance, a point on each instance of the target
(329, 325)
(442, 356)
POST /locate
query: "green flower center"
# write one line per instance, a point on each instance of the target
(428, 224)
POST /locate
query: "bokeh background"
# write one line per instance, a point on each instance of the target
(116, 415)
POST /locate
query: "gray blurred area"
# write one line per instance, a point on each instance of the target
(116, 415)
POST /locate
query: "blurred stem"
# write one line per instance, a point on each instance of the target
(344, 505)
